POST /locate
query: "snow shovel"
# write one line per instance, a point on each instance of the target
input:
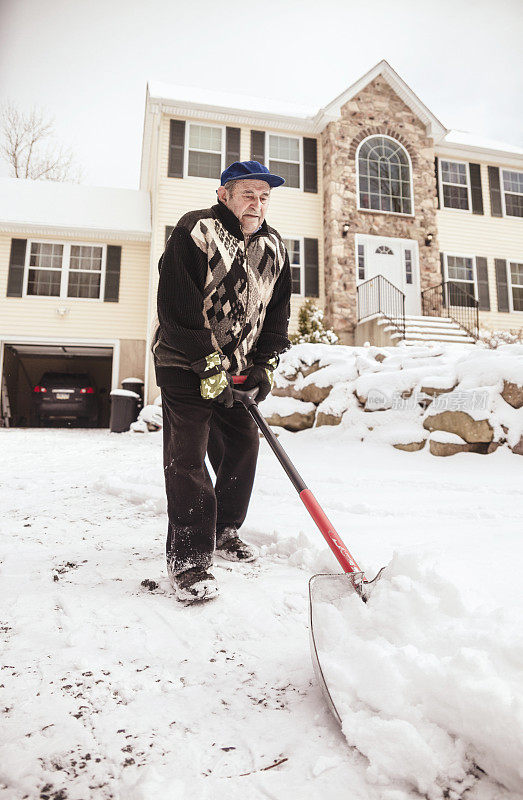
(322, 587)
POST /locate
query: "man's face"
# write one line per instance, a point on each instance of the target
(248, 201)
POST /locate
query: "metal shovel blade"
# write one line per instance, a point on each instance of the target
(327, 588)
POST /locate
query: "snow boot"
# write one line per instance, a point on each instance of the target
(230, 546)
(193, 585)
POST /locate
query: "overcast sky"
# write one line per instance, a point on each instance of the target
(86, 62)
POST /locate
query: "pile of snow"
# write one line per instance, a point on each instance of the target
(391, 394)
(427, 690)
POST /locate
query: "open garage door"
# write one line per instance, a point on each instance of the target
(24, 365)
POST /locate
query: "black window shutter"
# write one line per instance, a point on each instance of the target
(232, 146)
(176, 148)
(15, 280)
(475, 188)
(258, 146)
(311, 268)
(310, 165)
(495, 192)
(442, 265)
(501, 281)
(436, 167)
(168, 230)
(483, 290)
(112, 273)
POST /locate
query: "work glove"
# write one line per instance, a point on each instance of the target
(262, 375)
(215, 382)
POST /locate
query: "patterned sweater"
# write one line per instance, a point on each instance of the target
(216, 293)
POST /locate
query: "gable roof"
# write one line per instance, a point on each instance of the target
(51, 207)
(202, 103)
(237, 109)
(434, 127)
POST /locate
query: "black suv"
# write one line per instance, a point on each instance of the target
(66, 396)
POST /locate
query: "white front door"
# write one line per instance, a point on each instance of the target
(396, 260)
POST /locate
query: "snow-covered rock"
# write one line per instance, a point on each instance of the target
(464, 389)
(295, 415)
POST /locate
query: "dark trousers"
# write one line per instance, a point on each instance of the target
(196, 509)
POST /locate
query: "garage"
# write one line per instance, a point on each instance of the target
(23, 364)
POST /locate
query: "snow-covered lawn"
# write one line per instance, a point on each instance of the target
(112, 690)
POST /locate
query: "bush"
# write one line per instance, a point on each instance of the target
(310, 327)
(493, 339)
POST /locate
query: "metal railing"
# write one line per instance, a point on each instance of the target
(378, 295)
(449, 299)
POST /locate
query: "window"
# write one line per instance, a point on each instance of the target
(205, 151)
(384, 250)
(45, 269)
(295, 250)
(285, 159)
(65, 270)
(516, 280)
(361, 262)
(513, 193)
(461, 280)
(455, 185)
(85, 271)
(408, 266)
(384, 176)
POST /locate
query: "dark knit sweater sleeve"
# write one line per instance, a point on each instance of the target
(183, 268)
(273, 336)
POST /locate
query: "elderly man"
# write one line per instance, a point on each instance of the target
(223, 310)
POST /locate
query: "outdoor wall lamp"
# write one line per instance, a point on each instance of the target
(428, 239)
(345, 229)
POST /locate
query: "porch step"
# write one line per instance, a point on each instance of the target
(428, 329)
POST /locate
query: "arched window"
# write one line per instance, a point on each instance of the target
(384, 175)
(384, 250)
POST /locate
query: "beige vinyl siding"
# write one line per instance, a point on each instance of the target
(465, 233)
(292, 212)
(37, 316)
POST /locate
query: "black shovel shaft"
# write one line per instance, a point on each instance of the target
(247, 397)
(279, 452)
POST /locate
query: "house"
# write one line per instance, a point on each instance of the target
(74, 264)
(399, 227)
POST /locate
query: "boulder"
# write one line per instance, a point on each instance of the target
(512, 394)
(288, 413)
(308, 369)
(518, 447)
(293, 422)
(311, 393)
(460, 423)
(447, 448)
(443, 443)
(286, 390)
(327, 419)
(435, 391)
(412, 447)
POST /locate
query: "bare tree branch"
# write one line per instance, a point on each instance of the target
(29, 145)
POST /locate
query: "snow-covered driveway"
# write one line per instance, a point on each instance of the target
(112, 690)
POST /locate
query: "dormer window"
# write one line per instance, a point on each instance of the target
(384, 176)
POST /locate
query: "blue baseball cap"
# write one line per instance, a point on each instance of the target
(241, 170)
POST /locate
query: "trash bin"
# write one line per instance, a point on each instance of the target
(133, 385)
(124, 409)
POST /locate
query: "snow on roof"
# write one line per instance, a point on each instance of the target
(71, 205)
(471, 140)
(207, 97)
(315, 116)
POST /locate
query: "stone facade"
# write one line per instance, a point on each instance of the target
(377, 109)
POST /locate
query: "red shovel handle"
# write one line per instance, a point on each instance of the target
(326, 527)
